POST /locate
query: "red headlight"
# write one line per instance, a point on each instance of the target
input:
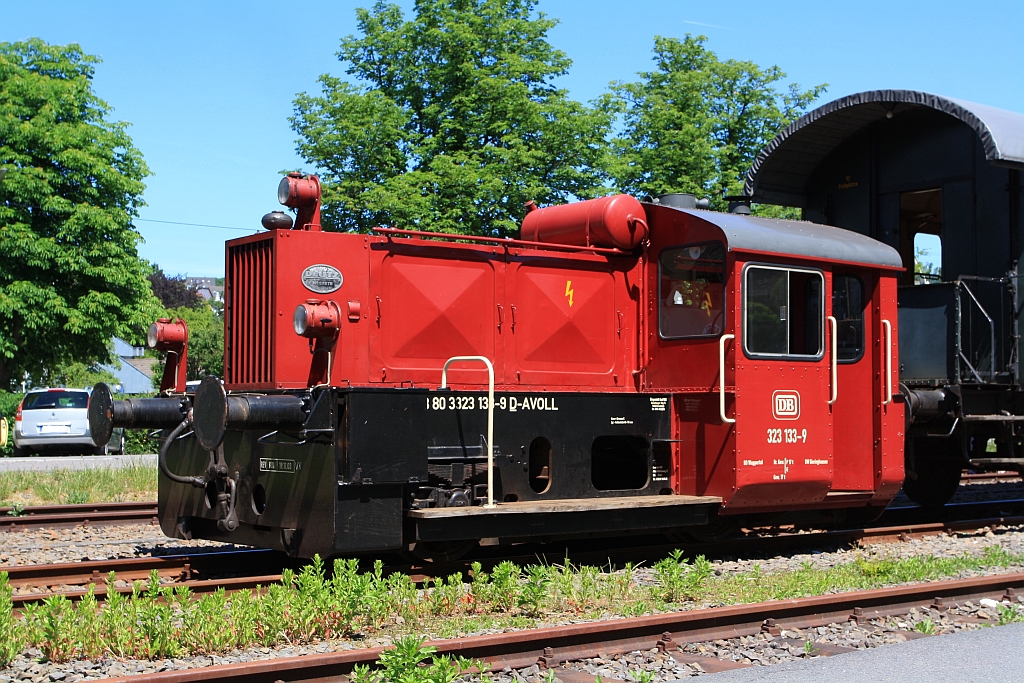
(317, 319)
(164, 335)
(294, 190)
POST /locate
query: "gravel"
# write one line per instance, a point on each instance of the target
(75, 544)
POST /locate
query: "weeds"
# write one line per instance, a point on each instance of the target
(320, 603)
(680, 581)
(63, 487)
(404, 663)
(10, 631)
(926, 626)
(1008, 614)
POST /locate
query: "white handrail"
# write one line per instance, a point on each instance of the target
(888, 362)
(721, 377)
(833, 326)
(490, 415)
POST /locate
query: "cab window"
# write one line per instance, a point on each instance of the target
(848, 309)
(783, 311)
(691, 291)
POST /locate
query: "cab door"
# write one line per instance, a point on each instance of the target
(857, 389)
(784, 440)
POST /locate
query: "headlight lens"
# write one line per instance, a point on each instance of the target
(151, 336)
(300, 320)
(284, 191)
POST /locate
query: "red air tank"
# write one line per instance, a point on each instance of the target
(615, 221)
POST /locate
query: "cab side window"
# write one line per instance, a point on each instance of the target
(848, 309)
(784, 312)
(691, 291)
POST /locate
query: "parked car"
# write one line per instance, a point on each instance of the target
(56, 421)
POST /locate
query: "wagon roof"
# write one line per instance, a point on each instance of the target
(798, 238)
(780, 172)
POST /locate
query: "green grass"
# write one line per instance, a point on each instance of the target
(62, 487)
(315, 605)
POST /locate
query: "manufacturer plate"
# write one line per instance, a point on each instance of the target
(322, 279)
(279, 465)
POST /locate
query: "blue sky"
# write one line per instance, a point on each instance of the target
(208, 86)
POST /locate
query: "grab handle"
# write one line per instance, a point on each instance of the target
(833, 327)
(888, 362)
(721, 377)
(490, 414)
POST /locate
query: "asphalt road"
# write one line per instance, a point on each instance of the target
(74, 462)
(989, 655)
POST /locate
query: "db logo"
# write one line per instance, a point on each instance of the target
(786, 405)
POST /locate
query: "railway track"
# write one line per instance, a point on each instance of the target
(62, 516)
(247, 569)
(143, 512)
(549, 647)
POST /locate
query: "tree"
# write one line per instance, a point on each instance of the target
(454, 122)
(695, 124)
(70, 276)
(173, 291)
(205, 342)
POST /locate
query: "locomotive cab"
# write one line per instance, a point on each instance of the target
(776, 339)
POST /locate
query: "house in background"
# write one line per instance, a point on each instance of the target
(136, 371)
(206, 287)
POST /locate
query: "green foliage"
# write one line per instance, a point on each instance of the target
(696, 123)
(71, 276)
(680, 581)
(8, 405)
(453, 122)
(60, 487)
(157, 621)
(925, 626)
(1008, 614)
(205, 343)
(10, 630)
(403, 663)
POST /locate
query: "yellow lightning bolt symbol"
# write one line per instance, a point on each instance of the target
(569, 291)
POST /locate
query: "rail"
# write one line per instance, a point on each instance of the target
(490, 415)
(833, 330)
(503, 241)
(721, 378)
(888, 362)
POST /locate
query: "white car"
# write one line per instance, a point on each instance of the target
(57, 421)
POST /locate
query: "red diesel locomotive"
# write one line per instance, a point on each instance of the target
(625, 367)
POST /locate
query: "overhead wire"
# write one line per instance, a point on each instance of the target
(197, 225)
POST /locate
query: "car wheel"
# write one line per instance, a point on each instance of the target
(100, 450)
(21, 452)
(120, 446)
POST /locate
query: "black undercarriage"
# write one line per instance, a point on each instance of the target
(399, 467)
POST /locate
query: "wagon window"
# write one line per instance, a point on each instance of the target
(691, 291)
(848, 309)
(784, 312)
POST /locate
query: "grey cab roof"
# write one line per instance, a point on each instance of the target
(780, 172)
(799, 238)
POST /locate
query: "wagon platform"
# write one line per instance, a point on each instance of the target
(562, 517)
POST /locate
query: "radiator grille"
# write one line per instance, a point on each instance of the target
(248, 307)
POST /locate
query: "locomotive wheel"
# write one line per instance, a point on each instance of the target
(937, 480)
(443, 551)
